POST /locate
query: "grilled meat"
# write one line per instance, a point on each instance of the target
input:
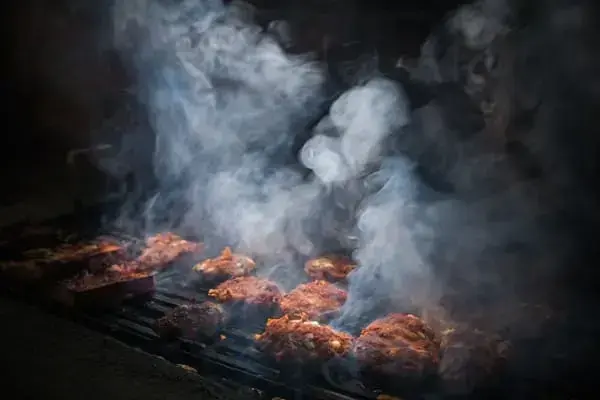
(41, 262)
(107, 288)
(248, 290)
(114, 274)
(317, 300)
(332, 268)
(192, 321)
(76, 252)
(225, 266)
(290, 338)
(399, 345)
(163, 248)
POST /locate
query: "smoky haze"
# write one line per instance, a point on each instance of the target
(227, 103)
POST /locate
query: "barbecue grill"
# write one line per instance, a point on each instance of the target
(232, 355)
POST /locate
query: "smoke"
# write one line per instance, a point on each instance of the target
(227, 103)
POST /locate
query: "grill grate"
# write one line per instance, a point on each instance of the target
(232, 361)
(234, 357)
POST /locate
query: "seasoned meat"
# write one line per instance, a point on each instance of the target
(290, 338)
(225, 266)
(248, 290)
(38, 263)
(164, 248)
(114, 274)
(317, 300)
(332, 268)
(75, 252)
(192, 321)
(400, 345)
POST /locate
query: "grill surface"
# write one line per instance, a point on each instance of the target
(233, 358)
(232, 361)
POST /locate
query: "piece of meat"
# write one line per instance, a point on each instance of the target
(66, 259)
(331, 268)
(317, 300)
(299, 339)
(248, 290)
(111, 275)
(192, 321)
(227, 265)
(104, 289)
(399, 345)
(164, 248)
(78, 251)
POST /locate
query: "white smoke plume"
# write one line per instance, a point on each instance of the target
(227, 102)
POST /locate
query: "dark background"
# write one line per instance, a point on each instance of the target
(62, 79)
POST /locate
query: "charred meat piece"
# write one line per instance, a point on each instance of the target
(225, 266)
(247, 290)
(291, 339)
(331, 268)
(106, 288)
(399, 345)
(318, 300)
(164, 248)
(111, 275)
(192, 321)
(78, 251)
(65, 259)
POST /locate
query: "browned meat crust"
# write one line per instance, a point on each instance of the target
(332, 268)
(225, 266)
(400, 345)
(114, 274)
(163, 248)
(248, 290)
(81, 251)
(316, 300)
(299, 339)
(38, 263)
(192, 321)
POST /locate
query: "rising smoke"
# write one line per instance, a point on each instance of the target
(227, 104)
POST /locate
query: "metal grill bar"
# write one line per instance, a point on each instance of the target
(234, 357)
